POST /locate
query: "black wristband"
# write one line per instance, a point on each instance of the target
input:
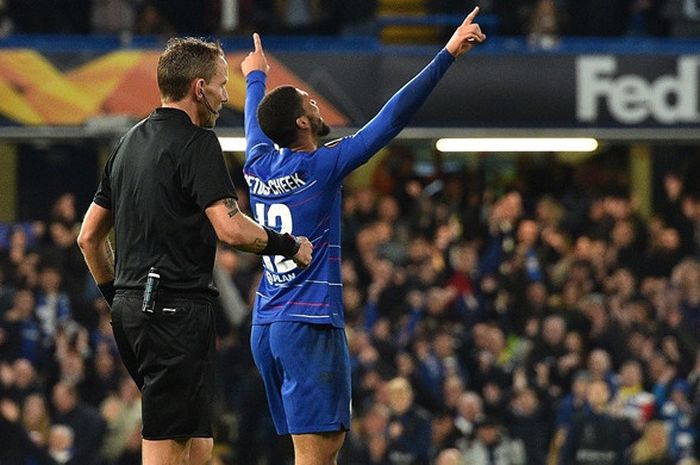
(107, 290)
(280, 244)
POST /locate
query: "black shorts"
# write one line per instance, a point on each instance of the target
(170, 355)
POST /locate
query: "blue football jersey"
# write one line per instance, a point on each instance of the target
(300, 193)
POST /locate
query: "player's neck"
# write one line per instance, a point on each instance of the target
(305, 143)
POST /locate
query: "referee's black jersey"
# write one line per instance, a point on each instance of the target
(161, 176)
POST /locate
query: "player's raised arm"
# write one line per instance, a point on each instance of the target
(397, 112)
(254, 68)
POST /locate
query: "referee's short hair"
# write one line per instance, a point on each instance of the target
(277, 114)
(184, 60)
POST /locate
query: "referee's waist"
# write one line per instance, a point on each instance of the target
(164, 292)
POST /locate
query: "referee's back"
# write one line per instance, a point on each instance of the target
(158, 181)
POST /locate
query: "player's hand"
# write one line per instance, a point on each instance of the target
(255, 61)
(466, 37)
(303, 255)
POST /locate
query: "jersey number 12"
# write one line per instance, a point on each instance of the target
(279, 218)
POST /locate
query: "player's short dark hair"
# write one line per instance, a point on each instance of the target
(184, 60)
(277, 114)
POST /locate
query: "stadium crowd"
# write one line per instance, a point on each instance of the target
(490, 321)
(514, 17)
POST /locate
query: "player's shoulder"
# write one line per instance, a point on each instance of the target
(261, 154)
(331, 144)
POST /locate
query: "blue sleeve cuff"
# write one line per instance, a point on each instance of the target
(445, 55)
(256, 76)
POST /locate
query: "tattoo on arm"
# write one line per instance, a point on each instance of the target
(232, 206)
(258, 245)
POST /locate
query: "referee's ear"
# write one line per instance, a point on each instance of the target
(199, 89)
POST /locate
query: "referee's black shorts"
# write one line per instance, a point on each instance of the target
(170, 355)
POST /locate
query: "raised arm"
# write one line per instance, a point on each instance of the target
(396, 113)
(254, 68)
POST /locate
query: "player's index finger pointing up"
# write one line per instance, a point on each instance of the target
(257, 43)
(470, 17)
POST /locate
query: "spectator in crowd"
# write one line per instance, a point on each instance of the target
(121, 412)
(549, 348)
(25, 379)
(20, 333)
(544, 25)
(150, 20)
(573, 405)
(36, 419)
(596, 436)
(676, 415)
(61, 444)
(529, 421)
(14, 254)
(493, 446)
(16, 445)
(408, 430)
(631, 401)
(103, 375)
(367, 443)
(112, 16)
(301, 16)
(52, 306)
(600, 366)
(469, 414)
(84, 421)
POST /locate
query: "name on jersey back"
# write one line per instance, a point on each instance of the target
(275, 186)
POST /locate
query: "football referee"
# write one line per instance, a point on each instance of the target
(168, 195)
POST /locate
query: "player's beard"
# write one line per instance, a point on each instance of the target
(319, 127)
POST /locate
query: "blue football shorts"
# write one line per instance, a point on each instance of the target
(306, 372)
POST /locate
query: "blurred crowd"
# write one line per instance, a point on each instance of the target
(528, 319)
(543, 21)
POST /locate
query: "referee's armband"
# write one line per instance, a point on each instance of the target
(280, 244)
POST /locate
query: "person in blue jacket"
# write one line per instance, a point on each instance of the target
(298, 340)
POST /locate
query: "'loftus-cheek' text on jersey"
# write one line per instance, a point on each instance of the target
(300, 193)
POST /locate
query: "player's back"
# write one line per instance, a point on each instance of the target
(294, 192)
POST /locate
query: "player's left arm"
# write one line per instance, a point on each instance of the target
(254, 68)
(399, 109)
